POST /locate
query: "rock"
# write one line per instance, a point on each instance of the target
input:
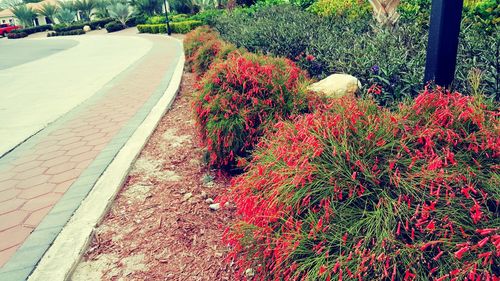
(187, 196)
(87, 28)
(209, 201)
(249, 272)
(337, 85)
(215, 206)
(203, 195)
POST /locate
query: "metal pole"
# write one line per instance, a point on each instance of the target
(442, 46)
(169, 31)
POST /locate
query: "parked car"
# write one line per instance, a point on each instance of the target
(6, 28)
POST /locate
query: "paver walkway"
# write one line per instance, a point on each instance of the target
(43, 181)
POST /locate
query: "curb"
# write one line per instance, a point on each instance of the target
(62, 257)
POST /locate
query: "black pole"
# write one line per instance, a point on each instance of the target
(442, 46)
(169, 31)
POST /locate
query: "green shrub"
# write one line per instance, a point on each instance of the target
(156, 20)
(207, 17)
(114, 26)
(179, 17)
(185, 26)
(16, 35)
(357, 192)
(64, 28)
(483, 13)
(136, 20)
(35, 29)
(66, 33)
(96, 24)
(393, 59)
(144, 28)
(239, 98)
(155, 28)
(162, 28)
(351, 9)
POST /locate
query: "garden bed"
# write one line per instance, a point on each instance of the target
(160, 226)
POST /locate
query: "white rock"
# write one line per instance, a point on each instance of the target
(249, 272)
(203, 195)
(209, 201)
(337, 85)
(215, 206)
(87, 28)
(187, 196)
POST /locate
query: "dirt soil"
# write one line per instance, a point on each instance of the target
(160, 226)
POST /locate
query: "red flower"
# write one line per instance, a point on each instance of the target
(461, 252)
(322, 270)
(310, 58)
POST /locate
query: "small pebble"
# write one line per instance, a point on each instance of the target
(209, 201)
(203, 195)
(187, 196)
(249, 272)
(215, 206)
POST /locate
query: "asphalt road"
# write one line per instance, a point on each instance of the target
(16, 52)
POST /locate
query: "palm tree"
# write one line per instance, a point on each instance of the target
(101, 8)
(24, 14)
(148, 7)
(120, 12)
(49, 11)
(65, 16)
(7, 4)
(67, 5)
(85, 7)
(385, 11)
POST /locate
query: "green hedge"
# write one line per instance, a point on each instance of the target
(99, 23)
(114, 26)
(65, 28)
(31, 30)
(176, 27)
(16, 35)
(185, 26)
(75, 26)
(66, 33)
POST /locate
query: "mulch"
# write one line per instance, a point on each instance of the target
(162, 213)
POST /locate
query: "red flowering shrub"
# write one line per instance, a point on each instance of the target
(357, 192)
(202, 47)
(239, 97)
(196, 39)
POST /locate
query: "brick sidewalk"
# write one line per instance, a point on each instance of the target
(36, 175)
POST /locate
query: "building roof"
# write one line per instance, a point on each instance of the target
(7, 13)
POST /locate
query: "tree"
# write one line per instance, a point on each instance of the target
(148, 7)
(24, 14)
(7, 4)
(385, 11)
(65, 16)
(101, 8)
(85, 8)
(49, 11)
(121, 12)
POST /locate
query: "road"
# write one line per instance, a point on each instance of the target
(16, 52)
(43, 79)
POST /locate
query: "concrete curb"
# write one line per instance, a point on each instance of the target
(62, 257)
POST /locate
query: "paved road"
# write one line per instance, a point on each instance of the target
(16, 52)
(94, 95)
(36, 93)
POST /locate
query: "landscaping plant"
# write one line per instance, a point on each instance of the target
(240, 98)
(114, 26)
(358, 192)
(393, 58)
